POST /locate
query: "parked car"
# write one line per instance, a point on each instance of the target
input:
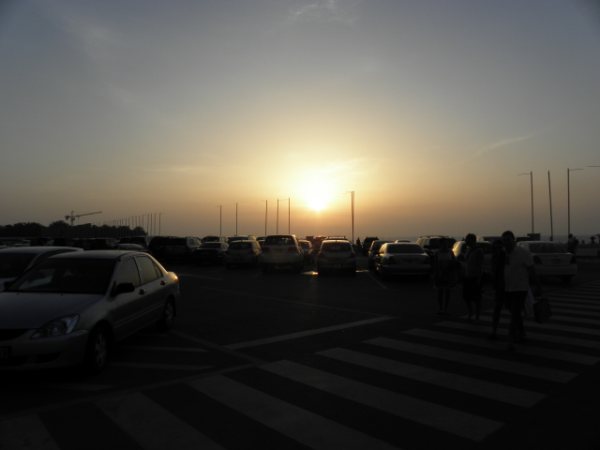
(401, 258)
(459, 249)
(210, 253)
(246, 237)
(336, 256)
(213, 238)
(431, 244)
(281, 251)
(14, 261)
(242, 253)
(307, 250)
(173, 248)
(143, 241)
(366, 244)
(551, 259)
(71, 308)
(373, 250)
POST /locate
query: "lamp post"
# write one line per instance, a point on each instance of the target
(550, 202)
(531, 185)
(352, 213)
(569, 200)
(220, 220)
(266, 214)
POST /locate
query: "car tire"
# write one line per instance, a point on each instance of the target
(97, 350)
(167, 318)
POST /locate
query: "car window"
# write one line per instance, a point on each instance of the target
(403, 248)
(336, 247)
(85, 276)
(547, 247)
(279, 240)
(13, 264)
(128, 273)
(148, 270)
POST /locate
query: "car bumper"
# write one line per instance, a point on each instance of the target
(24, 353)
(405, 269)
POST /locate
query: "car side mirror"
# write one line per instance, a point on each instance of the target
(123, 288)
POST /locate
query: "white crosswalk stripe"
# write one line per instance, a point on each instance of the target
(25, 433)
(502, 365)
(447, 419)
(152, 426)
(469, 385)
(306, 427)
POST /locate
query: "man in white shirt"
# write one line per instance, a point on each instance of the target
(519, 276)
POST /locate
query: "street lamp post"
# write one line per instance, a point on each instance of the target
(352, 213)
(550, 202)
(220, 220)
(531, 185)
(569, 200)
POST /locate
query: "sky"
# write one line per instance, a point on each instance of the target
(433, 113)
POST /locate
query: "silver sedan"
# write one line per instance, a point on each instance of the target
(71, 308)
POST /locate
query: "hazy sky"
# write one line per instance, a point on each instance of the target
(427, 110)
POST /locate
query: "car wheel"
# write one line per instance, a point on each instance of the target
(168, 316)
(97, 350)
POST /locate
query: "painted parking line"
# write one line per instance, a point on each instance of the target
(460, 383)
(304, 426)
(437, 416)
(502, 365)
(306, 333)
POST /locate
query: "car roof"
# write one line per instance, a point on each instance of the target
(99, 254)
(39, 249)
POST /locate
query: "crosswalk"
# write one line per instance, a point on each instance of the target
(419, 388)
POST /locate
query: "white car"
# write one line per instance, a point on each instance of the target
(281, 251)
(551, 259)
(71, 308)
(336, 256)
(401, 258)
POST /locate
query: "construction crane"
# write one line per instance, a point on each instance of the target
(71, 217)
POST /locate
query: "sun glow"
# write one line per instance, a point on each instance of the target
(318, 194)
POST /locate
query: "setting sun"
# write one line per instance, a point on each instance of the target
(317, 194)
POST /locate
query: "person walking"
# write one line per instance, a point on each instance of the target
(519, 277)
(498, 283)
(445, 274)
(472, 276)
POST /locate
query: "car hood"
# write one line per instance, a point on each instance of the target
(32, 310)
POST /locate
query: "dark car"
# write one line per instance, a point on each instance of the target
(210, 253)
(431, 244)
(366, 244)
(173, 248)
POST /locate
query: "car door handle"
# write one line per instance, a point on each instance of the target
(141, 292)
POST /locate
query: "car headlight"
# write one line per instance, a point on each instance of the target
(57, 327)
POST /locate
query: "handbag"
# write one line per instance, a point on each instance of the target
(541, 310)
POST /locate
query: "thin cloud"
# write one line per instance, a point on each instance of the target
(325, 10)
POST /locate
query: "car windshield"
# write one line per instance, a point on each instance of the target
(403, 248)
(547, 247)
(211, 245)
(279, 240)
(13, 264)
(76, 275)
(240, 246)
(336, 247)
